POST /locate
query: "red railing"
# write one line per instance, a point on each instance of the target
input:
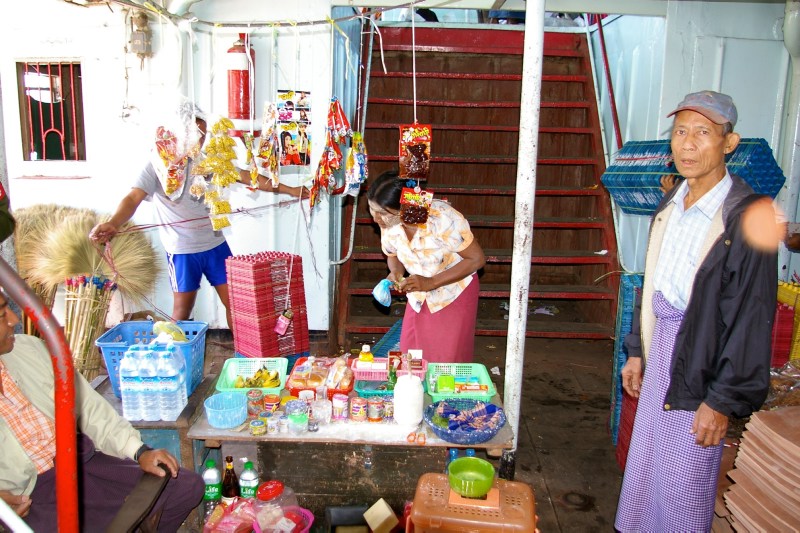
(66, 451)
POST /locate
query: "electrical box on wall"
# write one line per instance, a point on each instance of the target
(140, 43)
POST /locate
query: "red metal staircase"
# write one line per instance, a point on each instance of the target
(468, 88)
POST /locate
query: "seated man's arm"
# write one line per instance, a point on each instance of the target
(20, 504)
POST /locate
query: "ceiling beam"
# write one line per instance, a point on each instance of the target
(622, 7)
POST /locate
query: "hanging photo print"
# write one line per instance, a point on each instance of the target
(415, 150)
(294, 123)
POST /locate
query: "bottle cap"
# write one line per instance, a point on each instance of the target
(248, 465)
(211, 463)
(365, 348)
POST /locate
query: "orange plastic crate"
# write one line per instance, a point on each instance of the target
(437, 509)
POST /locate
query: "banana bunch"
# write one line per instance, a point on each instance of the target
(171, 329)
(262, 379)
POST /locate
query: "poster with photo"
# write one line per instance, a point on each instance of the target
(294, 123)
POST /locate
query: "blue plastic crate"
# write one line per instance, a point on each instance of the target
(115, 342)
(634, 177)
(628, 286)
(389, 342)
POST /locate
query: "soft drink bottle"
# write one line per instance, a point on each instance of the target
(213, 493)
(230, 482)
(248, 481)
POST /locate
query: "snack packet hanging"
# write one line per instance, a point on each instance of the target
(414, 205)
(415, 150)
(356, 167)
(267, 151)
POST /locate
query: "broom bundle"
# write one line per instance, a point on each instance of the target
(58, 250)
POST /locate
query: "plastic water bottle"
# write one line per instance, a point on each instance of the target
(183, 376)
(130, 385)
(169, 384)
(213, 494)
(150, 387)
(248, 481)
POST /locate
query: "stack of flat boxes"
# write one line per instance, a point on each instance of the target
(261, 287)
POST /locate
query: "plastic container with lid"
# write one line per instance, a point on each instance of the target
(274, 491)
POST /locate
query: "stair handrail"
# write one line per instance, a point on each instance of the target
(610, 84)
(66, 463)
(361, 128)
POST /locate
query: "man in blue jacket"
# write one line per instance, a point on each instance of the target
(700, 349)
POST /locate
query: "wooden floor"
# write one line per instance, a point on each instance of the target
(564, 447)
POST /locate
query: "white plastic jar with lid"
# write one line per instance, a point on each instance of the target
(274, 491)
(408, 400)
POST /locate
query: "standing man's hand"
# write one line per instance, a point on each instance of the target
(102, 233)
(632, 376)
(668, 182)
(21, 504)
(709, 426)
(148, 461)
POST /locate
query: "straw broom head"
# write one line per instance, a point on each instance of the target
(68, 251)
(33, 223)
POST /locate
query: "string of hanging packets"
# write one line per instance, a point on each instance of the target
(337, 132)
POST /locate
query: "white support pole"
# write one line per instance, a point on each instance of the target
(523, 209)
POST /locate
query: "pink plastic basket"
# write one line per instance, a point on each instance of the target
(367, 374)
(307, 515)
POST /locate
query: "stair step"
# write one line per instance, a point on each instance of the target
(496, 328)
(543, 257)
(497, 290)
(506, 221)
(472, 76)
(481, 127)
(478, 159)
(488, 104)
(502, 190)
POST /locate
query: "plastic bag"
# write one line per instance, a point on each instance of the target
(383, 292)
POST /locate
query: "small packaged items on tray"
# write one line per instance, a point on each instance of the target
(313, 372)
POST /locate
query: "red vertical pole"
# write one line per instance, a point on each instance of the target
(66, 449)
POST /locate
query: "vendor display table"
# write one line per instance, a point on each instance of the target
(343, 463)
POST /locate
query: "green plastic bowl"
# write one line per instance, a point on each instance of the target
(471, 477)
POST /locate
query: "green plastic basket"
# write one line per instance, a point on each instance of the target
(367, 389)
(247, 367)
(468, 372)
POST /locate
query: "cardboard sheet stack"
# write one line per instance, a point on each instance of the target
(765, 495)
(262, 287)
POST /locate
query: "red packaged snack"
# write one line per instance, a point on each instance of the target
(415, 150)
(414, 205)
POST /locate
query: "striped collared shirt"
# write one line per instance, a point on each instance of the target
(34, 431)
(686, 231)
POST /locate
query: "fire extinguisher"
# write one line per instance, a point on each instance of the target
(239, 92)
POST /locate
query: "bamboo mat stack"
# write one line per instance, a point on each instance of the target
(765, 495)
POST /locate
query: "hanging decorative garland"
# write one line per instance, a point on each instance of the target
(219, 163)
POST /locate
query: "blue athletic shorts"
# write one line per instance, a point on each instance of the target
(186, 270)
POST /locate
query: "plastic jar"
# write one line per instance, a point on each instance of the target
(339, 407)
(274, 491)
(297, 412)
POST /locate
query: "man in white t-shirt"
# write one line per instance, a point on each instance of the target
(193, 248)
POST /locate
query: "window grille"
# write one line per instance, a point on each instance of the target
(51, 111)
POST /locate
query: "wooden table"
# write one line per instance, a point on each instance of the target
(344, 463)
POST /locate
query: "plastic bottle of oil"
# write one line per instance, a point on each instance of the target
(365, 354)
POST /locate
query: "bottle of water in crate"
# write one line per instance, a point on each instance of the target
(172, 383)
(150, 387)
(130, 386)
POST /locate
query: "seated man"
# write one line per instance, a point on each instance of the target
(108, 446)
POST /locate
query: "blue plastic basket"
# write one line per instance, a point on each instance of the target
(226, 409)
(115, 342)
(459, 436)
(629, 284)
